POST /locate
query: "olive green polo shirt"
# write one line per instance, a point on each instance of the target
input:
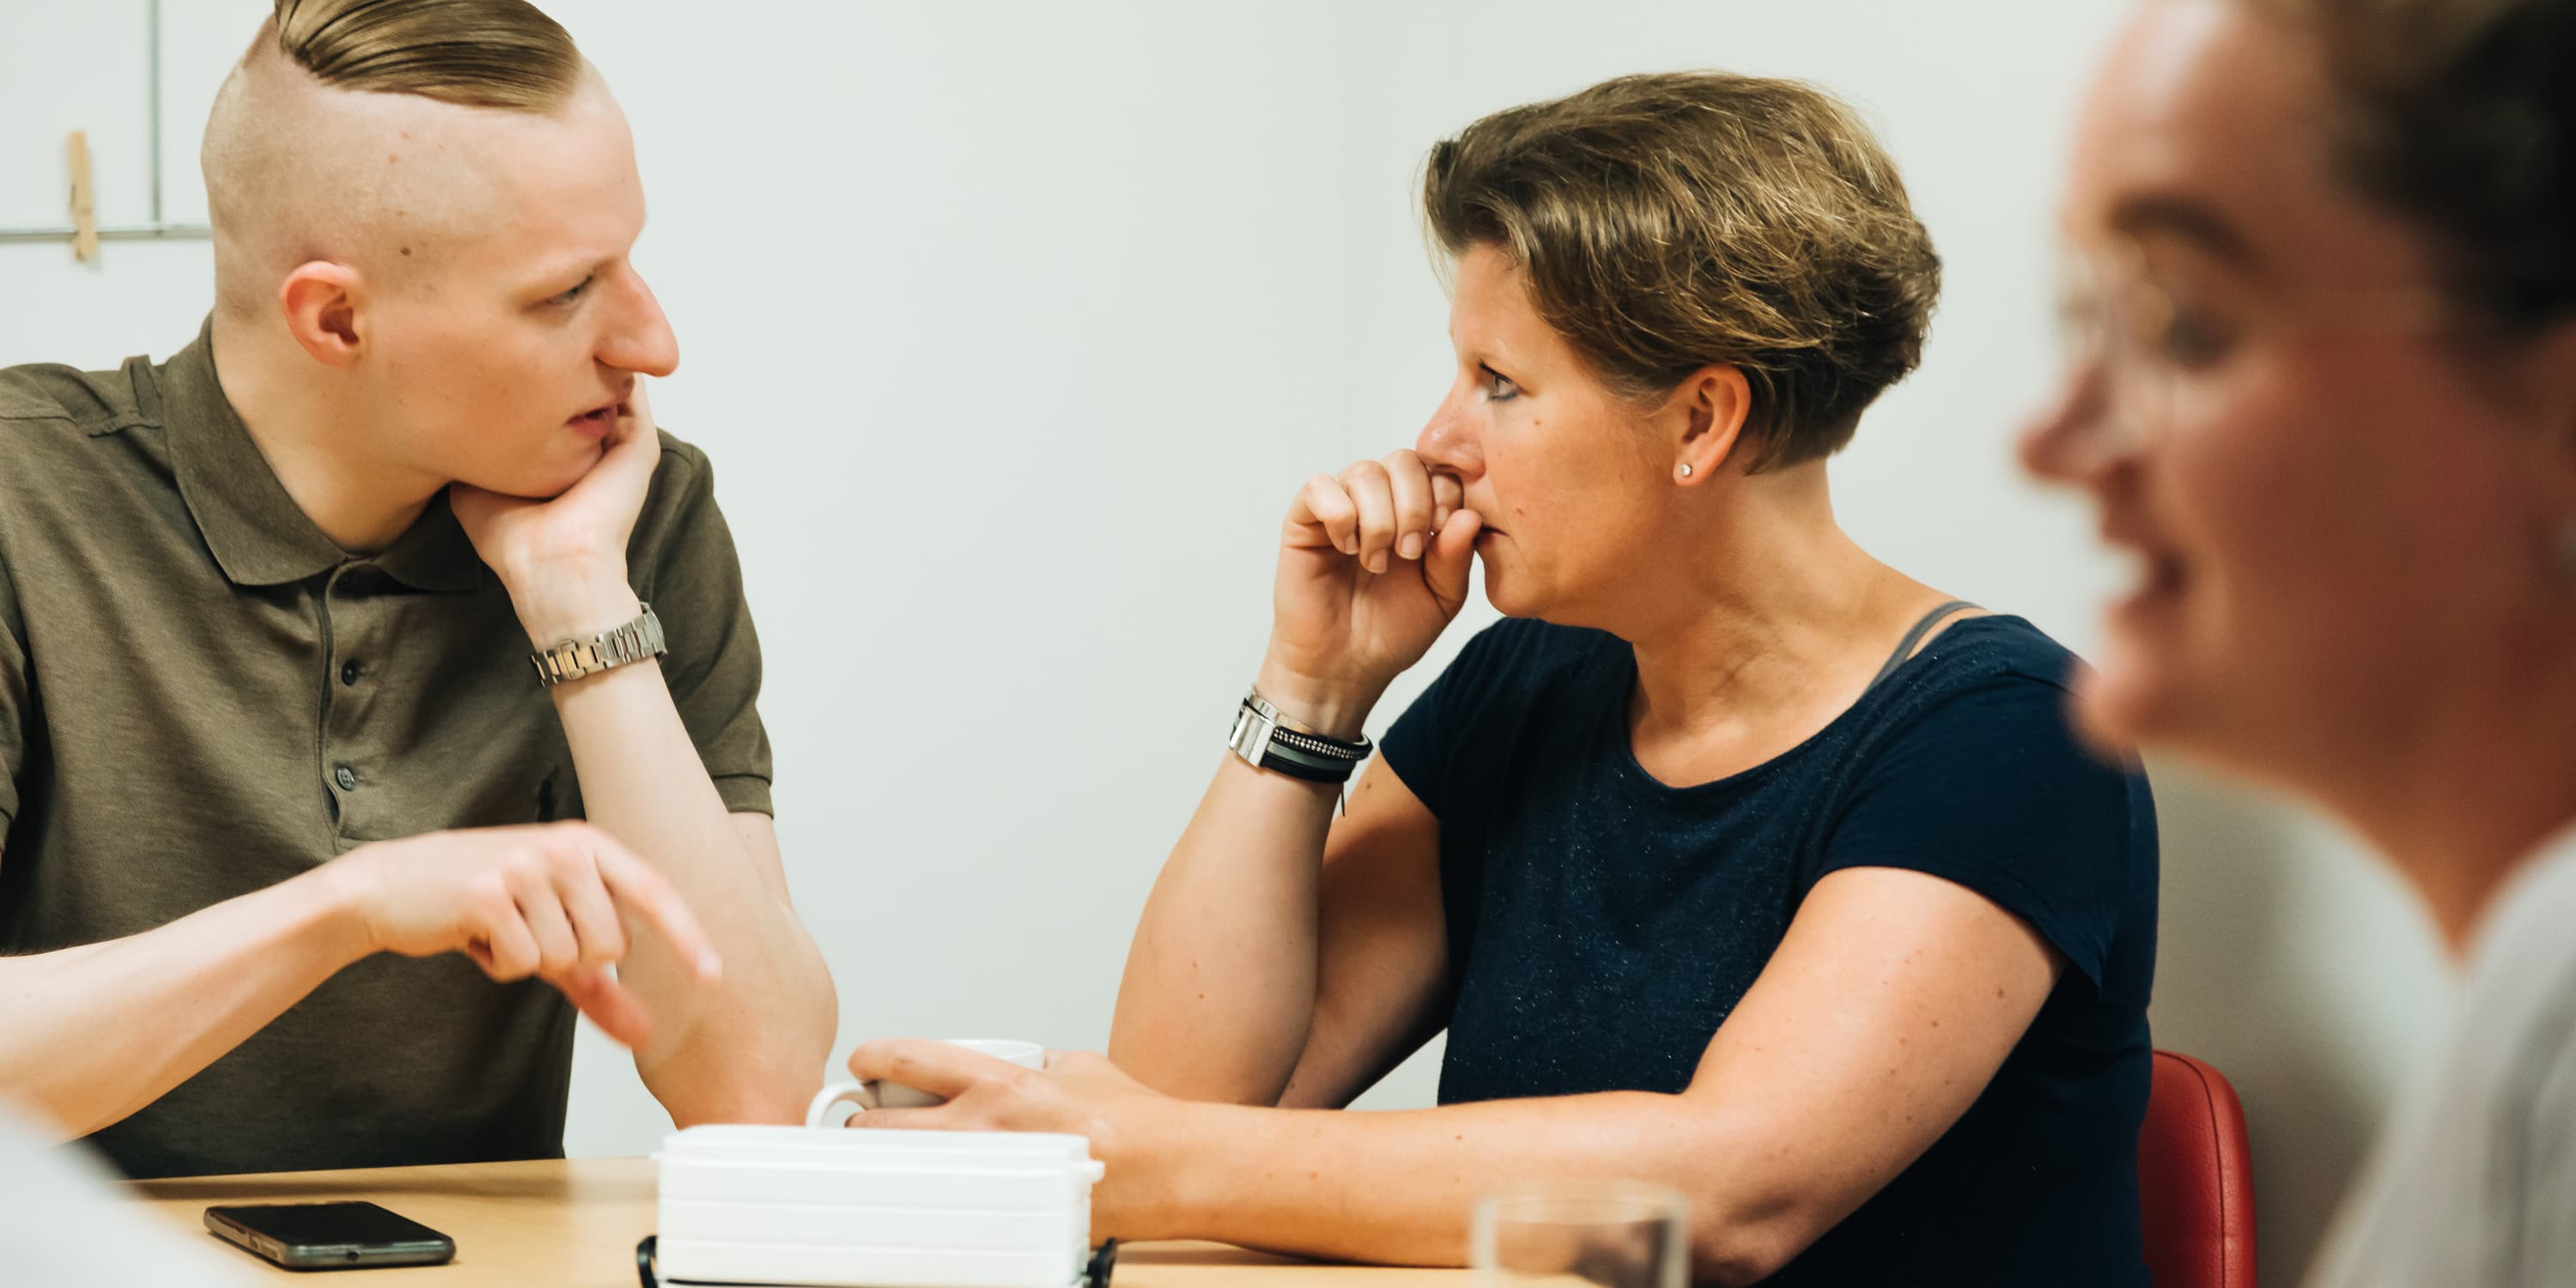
(201, 696)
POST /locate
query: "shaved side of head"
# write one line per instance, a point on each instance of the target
(367, 133)
(425, 214)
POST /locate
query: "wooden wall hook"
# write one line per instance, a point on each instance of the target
(84, 200)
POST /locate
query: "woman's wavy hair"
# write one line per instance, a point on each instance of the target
(1669, 222)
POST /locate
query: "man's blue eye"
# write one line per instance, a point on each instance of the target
(574, 294)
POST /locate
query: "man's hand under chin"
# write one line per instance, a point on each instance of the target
(564, 560)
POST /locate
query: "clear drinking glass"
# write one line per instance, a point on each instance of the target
(1617, 1234)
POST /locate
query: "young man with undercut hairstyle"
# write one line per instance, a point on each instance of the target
(289, 879)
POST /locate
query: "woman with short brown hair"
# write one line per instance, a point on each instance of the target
(1737, 860)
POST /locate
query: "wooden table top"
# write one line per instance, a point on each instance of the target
(574, 1223)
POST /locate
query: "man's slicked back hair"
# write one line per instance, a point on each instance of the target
(475, 53)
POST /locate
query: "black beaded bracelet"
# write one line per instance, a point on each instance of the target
(1262, 737)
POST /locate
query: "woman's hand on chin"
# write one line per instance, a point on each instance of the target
(1373, 563)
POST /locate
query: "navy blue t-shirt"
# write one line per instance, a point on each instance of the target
(1602, 925)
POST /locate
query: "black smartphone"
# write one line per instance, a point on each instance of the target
(330, 1236)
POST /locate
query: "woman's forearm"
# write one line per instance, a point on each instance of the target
(1220, 982)
(1399, 1187)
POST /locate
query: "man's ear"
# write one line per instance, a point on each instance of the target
(1713, 404)
(323, 303)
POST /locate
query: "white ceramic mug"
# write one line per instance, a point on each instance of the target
(871, 1094)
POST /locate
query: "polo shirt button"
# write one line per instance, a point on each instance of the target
(348, 673)
(347, 778)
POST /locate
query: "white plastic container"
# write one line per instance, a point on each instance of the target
(819, 1207)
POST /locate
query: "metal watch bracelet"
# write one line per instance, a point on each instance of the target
(631, 642)
(1266, 739)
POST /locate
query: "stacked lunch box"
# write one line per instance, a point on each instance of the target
(822, 1208)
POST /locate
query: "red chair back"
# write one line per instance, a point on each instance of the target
(2195, 1179)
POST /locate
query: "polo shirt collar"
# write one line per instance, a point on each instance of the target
(435, 554)
(259, 535)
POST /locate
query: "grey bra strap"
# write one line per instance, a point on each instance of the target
(1915, 636)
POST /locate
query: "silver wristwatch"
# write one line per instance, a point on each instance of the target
(608, 650)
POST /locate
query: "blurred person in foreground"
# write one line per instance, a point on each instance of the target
(2325, 392)
(70, 1226)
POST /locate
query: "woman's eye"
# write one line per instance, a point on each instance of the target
(2190, 338)
(1499, 387)
(573, 295)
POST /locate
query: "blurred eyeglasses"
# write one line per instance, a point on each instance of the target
(2131, 341)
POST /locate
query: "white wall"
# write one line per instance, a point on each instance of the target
(1012, 326)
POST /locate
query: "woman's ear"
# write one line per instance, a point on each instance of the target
(1712, 406)
(2547, 381)
(2553, 365)
(321, 302)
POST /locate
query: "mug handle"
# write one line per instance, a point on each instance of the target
(861, 1094)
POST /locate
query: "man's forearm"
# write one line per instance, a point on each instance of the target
(751, 1046)
(1220, 985)
(99, 1031)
